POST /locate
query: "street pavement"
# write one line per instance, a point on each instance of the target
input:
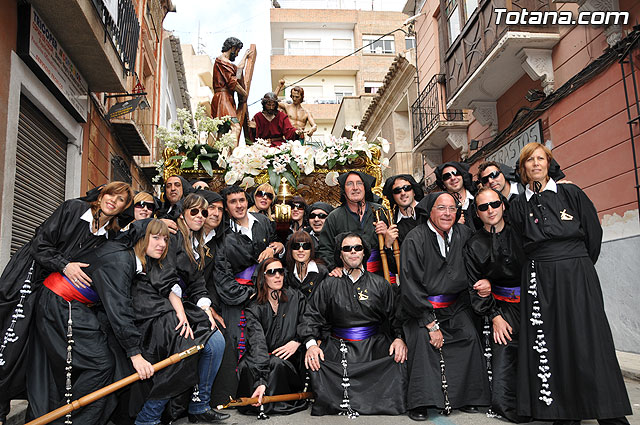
(458, 418)
(302, 418)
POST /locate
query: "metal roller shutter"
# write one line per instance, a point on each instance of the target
(41, 160)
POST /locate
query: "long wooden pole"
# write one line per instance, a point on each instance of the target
(383, 254)
(396, 251)
(246, 401)
(90, 398)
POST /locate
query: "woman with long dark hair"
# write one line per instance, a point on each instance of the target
(170, 324)
(272, 363)
(305, 270)
(567, 368)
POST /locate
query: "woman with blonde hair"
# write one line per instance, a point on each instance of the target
(55, 258)
(144, 206)
(567, 368)
(264, 196)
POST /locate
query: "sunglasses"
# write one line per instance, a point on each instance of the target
(485, 207)
(494, 175)
(447, 176)
(399, 190)
(317, 215)
(146, 204)
(349, 248)
(301, 245)
(194, 212)
(272, 272)
(297, 206)
(264, 194)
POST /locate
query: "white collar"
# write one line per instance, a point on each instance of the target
(311, 267)
(469, 197)
(354, 280)
(551, 185)
(440, 239)
(138, 265)
(401, 216)
(209, 235)
(513, 189)
(244, 230)
(88, 217)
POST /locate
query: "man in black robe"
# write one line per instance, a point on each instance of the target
(454, 177)
(358, 369)
(356, 214)
(403, 193)
(176, 189)
(493, 259)
(435, 297)
(317, 214)
(247, 241)
(499, 177)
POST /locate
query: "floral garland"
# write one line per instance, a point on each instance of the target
(200, 141)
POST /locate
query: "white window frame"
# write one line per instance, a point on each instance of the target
(305, 49)
(375, 85)
(388, 45)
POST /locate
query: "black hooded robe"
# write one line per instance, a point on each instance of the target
(562, 307)
(498, 257)
(377, 382)
(267, 331)
(424, 272)
(96, 359)
(62, 238)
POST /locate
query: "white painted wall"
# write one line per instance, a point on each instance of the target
(321, 86)
(325, 36)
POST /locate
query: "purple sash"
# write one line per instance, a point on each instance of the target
(442, 301)
(357, 333)
(244, 277)
(508, 294)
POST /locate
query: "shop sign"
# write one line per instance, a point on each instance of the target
(509, 153)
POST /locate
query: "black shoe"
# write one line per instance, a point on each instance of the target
(469, 409)
(419, 414)
(209, 416)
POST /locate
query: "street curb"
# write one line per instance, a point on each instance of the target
(17, 413)
(629, 364)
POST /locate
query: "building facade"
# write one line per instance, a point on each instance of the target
(58, 83)
(305, 41)
(486, 88)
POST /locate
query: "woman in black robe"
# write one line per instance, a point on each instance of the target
(272, 364)
(305, 271)
(69, 352)
(493, 259)
(567, 368)
(174, 313)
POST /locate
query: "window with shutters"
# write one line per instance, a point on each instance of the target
(119, 170)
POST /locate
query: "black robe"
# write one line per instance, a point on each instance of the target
(63, 237)
(377, 382)
(310, 281)
(97, 359)
(562, 238)
(498, 257)
(425, 272)
(267, 331)
(240, 252)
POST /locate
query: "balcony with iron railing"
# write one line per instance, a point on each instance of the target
(100, 37)
(486, 58)
(432, 121)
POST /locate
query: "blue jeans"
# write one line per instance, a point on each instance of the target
(208, 365)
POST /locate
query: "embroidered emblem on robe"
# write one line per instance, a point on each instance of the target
(565, 216)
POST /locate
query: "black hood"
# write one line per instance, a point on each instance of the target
(186, 189)
(136, 231)
(369, 182)
(423, 209)
(338, 248)
(210, 196)
(387, 191)
(320, 206)
(463, 168)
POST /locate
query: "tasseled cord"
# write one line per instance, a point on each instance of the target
(346, 405)
(445, 392)
(68, 394)
(10, 334)
(540, 345)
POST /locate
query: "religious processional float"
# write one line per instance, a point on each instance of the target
(201, 146)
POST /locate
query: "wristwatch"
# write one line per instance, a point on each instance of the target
(434, 328)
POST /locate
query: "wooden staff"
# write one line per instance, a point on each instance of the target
(90, 398)
(246, 401)
(396, 251)
(383, 254)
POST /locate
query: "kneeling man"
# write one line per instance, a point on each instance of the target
(359, 369)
